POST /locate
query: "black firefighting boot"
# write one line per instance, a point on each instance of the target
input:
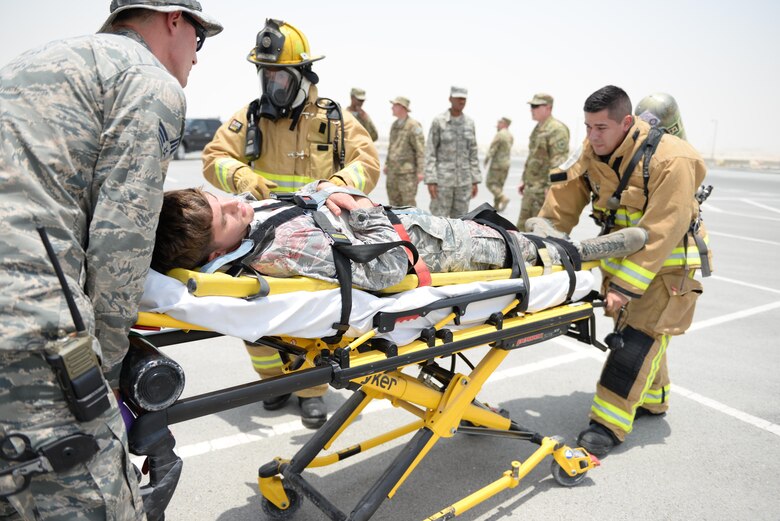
(641, 411)
(597, 439)
(616, 244)
(314, 412)
(277, 402)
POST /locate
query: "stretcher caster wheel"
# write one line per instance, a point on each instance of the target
(274, 512)
(562, 478)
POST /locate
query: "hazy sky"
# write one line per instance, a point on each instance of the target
(719, 59)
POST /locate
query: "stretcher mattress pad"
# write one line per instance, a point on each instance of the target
(310, 314)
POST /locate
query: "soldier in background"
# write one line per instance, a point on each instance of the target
(357, 98)
(451, 160)
(405, 156)
(89, 125)
(498, 157)
(548, 147)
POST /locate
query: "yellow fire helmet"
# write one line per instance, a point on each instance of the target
(281, 44)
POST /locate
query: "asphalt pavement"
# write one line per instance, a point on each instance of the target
(712, 457)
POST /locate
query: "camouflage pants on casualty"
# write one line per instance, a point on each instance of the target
(267, 363)
(637, 375)
(105, 488)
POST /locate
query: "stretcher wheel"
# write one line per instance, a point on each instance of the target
(274, 512)
(562, 478)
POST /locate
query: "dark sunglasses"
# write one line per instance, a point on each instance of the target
(200, 31)
(535, 106)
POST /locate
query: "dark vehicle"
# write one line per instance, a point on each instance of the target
(197, 133)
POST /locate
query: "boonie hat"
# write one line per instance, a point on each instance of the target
(191, 7)
(541, 99)
(459, 92)
(359, 94)
(404, 102)
(507, 121)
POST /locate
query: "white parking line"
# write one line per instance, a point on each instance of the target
(765, 207)
(746, 284)
(742, 237)
(719, 321)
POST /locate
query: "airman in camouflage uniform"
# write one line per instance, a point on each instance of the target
(451, 161)
(89, 125)
(405, 156)
(357, 98)
(499, 158)
(548, 147)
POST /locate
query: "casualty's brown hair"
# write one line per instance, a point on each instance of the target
(184, 233)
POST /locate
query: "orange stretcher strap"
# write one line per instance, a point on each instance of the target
(419, 267)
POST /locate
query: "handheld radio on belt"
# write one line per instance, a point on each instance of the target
(86, 393)
(73, 359)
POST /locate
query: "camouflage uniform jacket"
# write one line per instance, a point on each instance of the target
(500, 150)
(365, 120)
(451, 152)
(676, 171)
(548, 147)
(293, 158)
(89, 125)
(406, 150)
(298, 246)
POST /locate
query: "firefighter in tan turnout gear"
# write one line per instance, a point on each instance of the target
(281, 141)
(652, 293)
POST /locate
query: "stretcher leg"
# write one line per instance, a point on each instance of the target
(440, 407)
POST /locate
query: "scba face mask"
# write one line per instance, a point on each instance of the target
(282, 90)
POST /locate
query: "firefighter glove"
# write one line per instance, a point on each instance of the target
(245, 180)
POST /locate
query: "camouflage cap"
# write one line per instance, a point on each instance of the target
(507, 121)
(358, 94)
(459, 92)
(191, 7)
(541, 99)
(404, 102)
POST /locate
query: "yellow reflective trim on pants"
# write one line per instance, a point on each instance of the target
(611, 414)
(222, 169)
(267, 362)
(654, 370)
(656, 397)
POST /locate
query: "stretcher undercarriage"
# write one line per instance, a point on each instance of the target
(441, 401)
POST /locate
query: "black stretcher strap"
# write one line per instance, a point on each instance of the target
(570, 260)
(486, 215)
(344, 252)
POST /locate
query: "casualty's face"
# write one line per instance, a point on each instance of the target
(605, 134)
(230, 220)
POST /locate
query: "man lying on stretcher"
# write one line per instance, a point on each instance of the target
(198, 227)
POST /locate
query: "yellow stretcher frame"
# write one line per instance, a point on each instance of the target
(439, 411)
(222, 284)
